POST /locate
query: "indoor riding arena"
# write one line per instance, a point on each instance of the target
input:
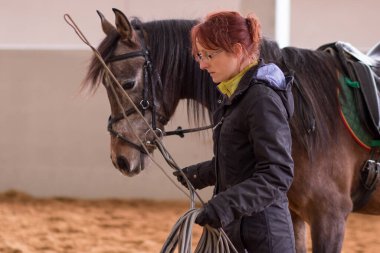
(59, 190)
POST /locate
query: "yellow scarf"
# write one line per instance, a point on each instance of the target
(228, 87)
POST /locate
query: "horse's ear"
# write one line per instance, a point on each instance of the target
(123, 26)
(106, 26)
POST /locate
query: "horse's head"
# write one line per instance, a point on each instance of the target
(125, 52)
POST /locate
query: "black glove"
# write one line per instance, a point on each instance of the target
(208, 217)
(191, 174)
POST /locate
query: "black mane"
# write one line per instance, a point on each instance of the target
(315, 92)
(169, 44)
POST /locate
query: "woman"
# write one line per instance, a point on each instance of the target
(252, 168)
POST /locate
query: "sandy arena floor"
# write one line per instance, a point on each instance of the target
(61, 225)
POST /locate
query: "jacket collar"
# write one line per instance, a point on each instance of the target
(244, 83)
(228, 87)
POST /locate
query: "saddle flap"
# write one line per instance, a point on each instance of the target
(369, 91)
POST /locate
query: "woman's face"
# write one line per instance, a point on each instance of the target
(220, 64)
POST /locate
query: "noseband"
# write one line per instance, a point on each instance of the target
(145, 104)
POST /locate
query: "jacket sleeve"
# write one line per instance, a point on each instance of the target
(270, 137)
(202, 174)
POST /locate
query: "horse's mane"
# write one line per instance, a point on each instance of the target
(316, 106)
(315, 93)
(170, 46)
(96, 69)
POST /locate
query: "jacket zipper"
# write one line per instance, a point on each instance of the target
(216, 190)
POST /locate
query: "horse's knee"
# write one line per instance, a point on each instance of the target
(327, 233)
(328, 222)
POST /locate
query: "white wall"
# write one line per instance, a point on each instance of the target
(40, 22)
(54, 142)
(316, 22)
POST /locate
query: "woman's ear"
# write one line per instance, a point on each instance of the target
(238, 50)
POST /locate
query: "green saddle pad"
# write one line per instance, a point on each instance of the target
(350, 113)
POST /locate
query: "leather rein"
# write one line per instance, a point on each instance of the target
(150, 75)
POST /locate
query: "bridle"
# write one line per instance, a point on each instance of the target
(151, 77)
(148, 144)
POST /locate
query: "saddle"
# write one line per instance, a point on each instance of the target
(363, 71)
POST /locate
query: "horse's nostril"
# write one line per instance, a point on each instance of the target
(122, 163)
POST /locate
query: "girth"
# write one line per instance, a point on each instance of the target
(369, 178)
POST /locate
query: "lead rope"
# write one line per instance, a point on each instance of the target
(212, 240)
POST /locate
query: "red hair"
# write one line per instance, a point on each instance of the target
(222, 30)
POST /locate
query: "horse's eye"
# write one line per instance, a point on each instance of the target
(128, 85)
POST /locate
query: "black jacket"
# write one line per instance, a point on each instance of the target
(252, 165)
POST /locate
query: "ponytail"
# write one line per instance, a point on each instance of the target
(254, 30)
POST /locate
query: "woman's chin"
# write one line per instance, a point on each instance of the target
(215, 80)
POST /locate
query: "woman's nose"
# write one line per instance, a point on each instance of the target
(203, 65)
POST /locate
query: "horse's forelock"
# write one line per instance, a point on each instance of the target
(95, 70)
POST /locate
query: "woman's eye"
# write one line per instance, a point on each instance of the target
(128, 85)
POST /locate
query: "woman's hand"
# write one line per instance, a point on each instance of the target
(191, 175)
(200, 175)
(208, 217)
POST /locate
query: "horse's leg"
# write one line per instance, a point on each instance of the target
(299, 196)
(321, 192)
(299, 232)
(331, 195)
(327, 232)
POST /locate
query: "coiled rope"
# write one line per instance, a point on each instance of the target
(212, 240)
